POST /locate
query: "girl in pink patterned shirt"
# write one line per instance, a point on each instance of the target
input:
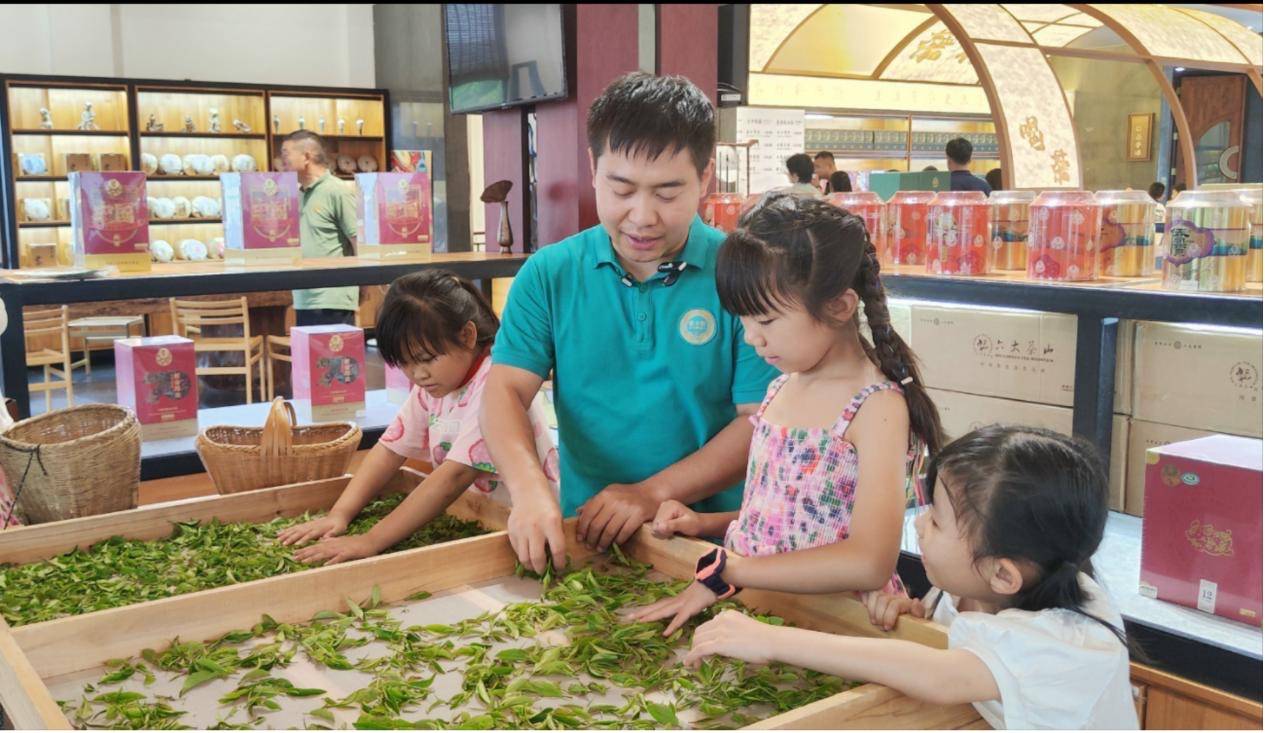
(438, 329)
(840, 436)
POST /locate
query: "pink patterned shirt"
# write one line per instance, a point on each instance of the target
(447, 429)
(801, 483)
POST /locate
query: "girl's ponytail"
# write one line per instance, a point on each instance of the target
(892, 354)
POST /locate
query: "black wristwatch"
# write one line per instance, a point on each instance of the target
(708, 572)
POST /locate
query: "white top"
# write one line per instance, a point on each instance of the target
(1054, 668)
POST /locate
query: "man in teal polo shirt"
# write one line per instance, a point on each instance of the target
(653, 381)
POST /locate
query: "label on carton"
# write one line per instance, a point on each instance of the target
(1207, 596)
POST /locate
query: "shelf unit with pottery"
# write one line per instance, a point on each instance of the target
(43, 142)
(123, 109)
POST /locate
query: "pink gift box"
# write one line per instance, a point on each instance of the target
(261, 217)
(329, 369)
(1201, 530)
(109, 220)
(156, 377)
(394, 214)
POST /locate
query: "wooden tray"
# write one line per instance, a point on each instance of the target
(31, 654)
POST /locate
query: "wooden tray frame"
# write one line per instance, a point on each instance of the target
(29, 654)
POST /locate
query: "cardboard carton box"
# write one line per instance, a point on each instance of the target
(1198, 377)
(109, 220)
(393, 214)
(886, 184)
(157, 378)
(261, 218)
(329, 370)
(1201, 538)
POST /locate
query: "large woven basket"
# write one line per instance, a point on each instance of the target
(74, 462)
(243, 459)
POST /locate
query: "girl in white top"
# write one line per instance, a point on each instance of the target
(1034, 641)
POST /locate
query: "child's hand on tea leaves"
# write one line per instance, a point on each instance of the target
(681, 607)
(337, 549)
(675, 518)
(733, 634)
(317, 529)
(885, 608)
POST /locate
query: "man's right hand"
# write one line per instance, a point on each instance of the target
(535, 530)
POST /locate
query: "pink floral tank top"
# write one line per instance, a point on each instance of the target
(801, 483)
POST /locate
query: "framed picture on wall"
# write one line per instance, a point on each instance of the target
(1139, 140)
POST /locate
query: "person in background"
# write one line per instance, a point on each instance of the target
(930, 169)
(327, 228)
(840, 182)
(993, 178)
(799, 170)
(1156, 192)
(655, 383)
(958, 152)
(1034, 640)
(1177, 188)
(823, 169)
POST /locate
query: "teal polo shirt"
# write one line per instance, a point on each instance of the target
(644, 375)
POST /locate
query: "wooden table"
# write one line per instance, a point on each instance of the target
(117, 327)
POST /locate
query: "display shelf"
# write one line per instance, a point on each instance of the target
(75, 133)
(157, 177)
(190, 220)
(42, 224)
(39, 179)
(342, 138)
(209, 135)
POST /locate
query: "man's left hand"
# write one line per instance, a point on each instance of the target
(615, 514)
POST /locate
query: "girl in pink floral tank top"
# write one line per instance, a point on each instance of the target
(838, 442)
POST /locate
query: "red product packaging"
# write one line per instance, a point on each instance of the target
(261, 218)
(907, 215)
(1201, 531)
(156, 377)
(329, 369)
(722, 210)
(398, 385)
(957, 235)
(1063, 231)
(393, 211)
(109, 220)
(869, 207)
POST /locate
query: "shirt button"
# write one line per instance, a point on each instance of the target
(641, 317)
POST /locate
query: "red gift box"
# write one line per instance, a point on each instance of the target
(394, 214)
(329, 369)
(722, 211)
(109, 220)
(261, 217)
(1063, 232)
(156, 377)
(1201, 531)
(957, 234)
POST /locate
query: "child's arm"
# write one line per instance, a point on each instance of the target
(940, 676)
(431, 497)
(378, 468)
(675, 518)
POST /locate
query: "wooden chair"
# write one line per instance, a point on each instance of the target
(56, 362)
(277, 349)
(190, 317)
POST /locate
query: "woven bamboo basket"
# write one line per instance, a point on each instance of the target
(281, 452)
(74, 462)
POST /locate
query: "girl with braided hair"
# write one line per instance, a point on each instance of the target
(840, 436)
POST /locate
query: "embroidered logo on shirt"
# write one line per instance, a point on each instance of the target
(698, 326)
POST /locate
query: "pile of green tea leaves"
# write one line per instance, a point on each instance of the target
(549, 664)
(197, 556)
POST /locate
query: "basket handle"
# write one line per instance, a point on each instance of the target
(278, 432)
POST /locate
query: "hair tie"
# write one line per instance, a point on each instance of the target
(906, 381)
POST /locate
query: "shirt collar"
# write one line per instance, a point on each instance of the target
(323, 177)
(694, 254)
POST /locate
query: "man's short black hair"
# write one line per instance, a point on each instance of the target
(800, 166)
(644, 114)
(321, 153)
(1156, 190)
(959, 150)
(825, 155)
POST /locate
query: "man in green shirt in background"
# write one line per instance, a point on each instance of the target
(327, 228)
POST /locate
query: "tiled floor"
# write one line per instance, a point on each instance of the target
(100, 387)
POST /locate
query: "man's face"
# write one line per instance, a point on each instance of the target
(647, 206)
(822, 168)
(294, 155)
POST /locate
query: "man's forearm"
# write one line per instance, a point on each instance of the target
(511, 442)
(719, 464)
